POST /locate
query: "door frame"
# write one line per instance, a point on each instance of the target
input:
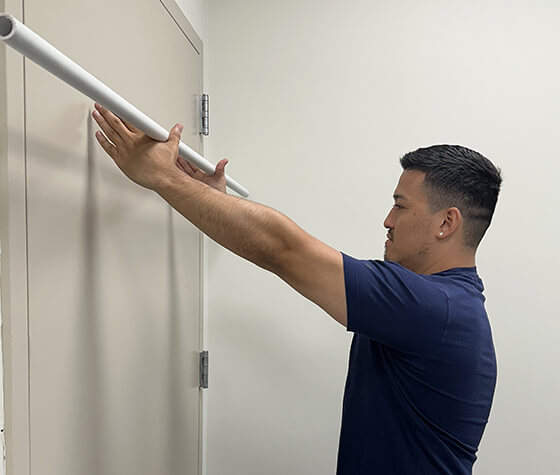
(14, 315)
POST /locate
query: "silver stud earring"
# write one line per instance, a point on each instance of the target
(441, 233)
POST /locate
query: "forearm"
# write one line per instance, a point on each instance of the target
(255, 232)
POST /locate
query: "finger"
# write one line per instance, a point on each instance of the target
(131, 128)
(113, 121)
(105, 144)
(181, 164)
(194, 170)
(108, 130)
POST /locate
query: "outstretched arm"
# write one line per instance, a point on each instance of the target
(255, 232)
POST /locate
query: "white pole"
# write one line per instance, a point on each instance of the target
(22, 39)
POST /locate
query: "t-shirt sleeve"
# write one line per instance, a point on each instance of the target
(394, 306)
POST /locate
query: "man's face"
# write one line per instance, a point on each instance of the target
(411, 226)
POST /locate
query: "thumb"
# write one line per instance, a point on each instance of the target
(175, 134)
(221, 167)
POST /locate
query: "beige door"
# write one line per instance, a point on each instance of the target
(113, 272)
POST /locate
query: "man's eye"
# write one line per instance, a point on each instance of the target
(397, 206)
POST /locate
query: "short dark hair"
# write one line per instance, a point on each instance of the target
(459, 177)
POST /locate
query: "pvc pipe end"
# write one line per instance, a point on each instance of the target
(7, 26)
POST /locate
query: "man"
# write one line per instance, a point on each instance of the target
(422, 366)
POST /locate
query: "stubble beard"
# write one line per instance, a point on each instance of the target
(386, 255)
(425, 249)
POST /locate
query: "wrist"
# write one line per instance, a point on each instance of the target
(176, 182)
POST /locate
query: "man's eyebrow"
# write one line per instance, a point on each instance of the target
(399, 197)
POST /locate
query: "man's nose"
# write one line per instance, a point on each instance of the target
(388, 223)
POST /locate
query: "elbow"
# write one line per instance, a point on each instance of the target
(275, 259)
(275, 244)
(286, 258)
(284, 247)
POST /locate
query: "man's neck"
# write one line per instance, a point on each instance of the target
(447, 263)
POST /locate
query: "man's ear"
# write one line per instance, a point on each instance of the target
(450, 223)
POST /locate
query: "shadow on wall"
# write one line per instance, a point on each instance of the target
(88, 396)
(93, 398)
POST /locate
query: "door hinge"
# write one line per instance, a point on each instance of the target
(203, 379)
(204, 115)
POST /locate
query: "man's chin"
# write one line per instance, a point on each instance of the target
(387, 256)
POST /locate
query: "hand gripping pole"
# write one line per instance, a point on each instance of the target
(16, 35)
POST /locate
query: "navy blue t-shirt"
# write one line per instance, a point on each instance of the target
(422, 370)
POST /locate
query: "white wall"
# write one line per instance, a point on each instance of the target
(2, 439)
(314, 102)
(196, 12)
